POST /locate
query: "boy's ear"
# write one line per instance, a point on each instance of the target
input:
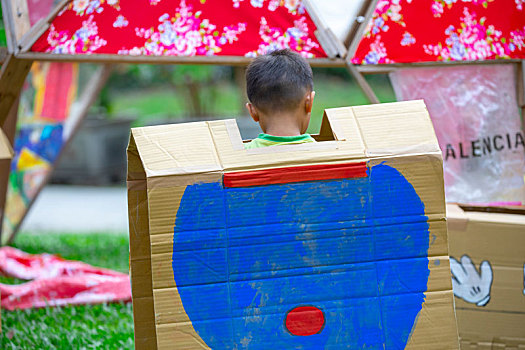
(309, 102)
(253, 112)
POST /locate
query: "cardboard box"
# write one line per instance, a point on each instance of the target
(336, 244)
(489, 285)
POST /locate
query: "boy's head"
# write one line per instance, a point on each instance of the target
(280, 90)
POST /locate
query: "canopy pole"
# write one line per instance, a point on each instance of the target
(354, 35)
(9, 129)
(361, 81)
(521, 86)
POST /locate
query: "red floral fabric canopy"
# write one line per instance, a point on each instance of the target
(406, 31)
(181, 28)
(401, 31)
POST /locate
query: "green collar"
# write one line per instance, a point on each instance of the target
(284, 138)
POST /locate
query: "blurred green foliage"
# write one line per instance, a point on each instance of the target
(191, 83)
(3, 40)
(157, 93)
(135, 76)
(197, 91)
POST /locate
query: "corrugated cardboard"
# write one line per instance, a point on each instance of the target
(215, 227)
(6, 152)
(498, 239)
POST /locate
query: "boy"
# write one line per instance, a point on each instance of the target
(280, 90)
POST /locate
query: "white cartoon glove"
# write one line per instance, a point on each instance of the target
(468, 284)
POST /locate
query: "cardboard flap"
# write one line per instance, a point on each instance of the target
(176, 149)
(347, 134)
(496, 218)
(499, 209)
(6, 152)
(459, 215)
(330, 129)
(233, 156)
(396, 128)
(456, 218)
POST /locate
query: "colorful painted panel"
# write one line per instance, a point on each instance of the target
(181, 28)
(40, 136)
(318, 264)
(405, 31)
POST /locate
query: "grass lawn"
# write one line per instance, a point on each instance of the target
(108, 326)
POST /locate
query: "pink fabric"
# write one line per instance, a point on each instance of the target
(38, 9)
(477, 123)
(55, 281)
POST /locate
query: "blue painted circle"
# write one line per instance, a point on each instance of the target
(355, 248)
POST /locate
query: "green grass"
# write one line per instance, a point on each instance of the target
(73, 327)
(166, 104)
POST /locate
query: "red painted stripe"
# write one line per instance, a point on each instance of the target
(295, 174)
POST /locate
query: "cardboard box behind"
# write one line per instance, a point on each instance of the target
(489, 274)
(336, 244)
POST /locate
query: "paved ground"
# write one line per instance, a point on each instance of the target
(79, 209)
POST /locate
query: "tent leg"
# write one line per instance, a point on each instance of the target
(12, 77)
(240, 81)
(355, 34)
(361, 81)
(9, 129)
(520, 89)
(521, 84)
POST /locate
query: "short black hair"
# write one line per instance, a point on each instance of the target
(278, 81)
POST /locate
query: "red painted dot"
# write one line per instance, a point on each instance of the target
(304, 320)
